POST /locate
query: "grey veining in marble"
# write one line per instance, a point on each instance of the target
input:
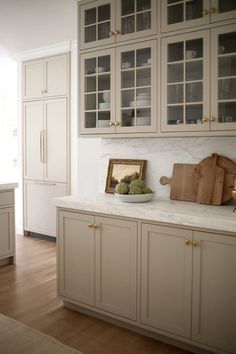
(8, 185)
(219, 218)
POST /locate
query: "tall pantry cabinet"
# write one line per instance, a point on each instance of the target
(45, 140)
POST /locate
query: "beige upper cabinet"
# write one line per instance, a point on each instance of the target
(46, 77)
(179, 14)
(105, 22)
(214, 291)
(166, 279)
(118, 90)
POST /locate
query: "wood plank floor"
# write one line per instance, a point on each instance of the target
(28, 294)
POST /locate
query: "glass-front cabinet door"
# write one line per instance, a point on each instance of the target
(97, 20)
(97, 84)
(185, 82)
(223, 87)
(135, 18)
(223, 10)
(136, 87)
(177, 14)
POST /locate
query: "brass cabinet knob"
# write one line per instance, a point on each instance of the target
(187, 242)
(111, 124)
(96, 226)
(116, 32)
(195, 243)
(205, 120)
(90, 226)
(213, 10)
(111, 33)
(213, 119)
(116, 124)
(205, 12)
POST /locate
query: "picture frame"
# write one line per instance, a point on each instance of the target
(118, 169)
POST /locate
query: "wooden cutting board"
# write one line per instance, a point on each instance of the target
(183, 185)
(230, 173)
(211, 181)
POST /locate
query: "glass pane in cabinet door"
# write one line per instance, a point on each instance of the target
(194, 49)
(143, 77)
(104, 30)
(90, 34)
(194, 70)
(193, 114)
(90, 102)
(143, 21)
(104, 100)
(127, 79)
(175, 73)
(127, 7)
(194, 9)
(104, 64)
(128, 98)
(143, 97)
(194, 92)
(227, 43)
(226, 5)
(144, 57)
(90, 16)
(90, 66)
(90, 84)
(103, 119)
(90, 120)
(227, 112)
(127, 25)
(143, 5)
(143, 117)
(175, 94)
(127, 117)
(175, 52)
(104, 82)
(128, 60)
(227, 66)
(227, 89)
(175, 13)
(104, 13)
(175, 115)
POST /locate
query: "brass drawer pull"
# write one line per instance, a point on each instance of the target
(196, 243)
(187, 242)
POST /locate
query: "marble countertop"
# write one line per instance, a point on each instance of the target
(218, 218)
(8, 185)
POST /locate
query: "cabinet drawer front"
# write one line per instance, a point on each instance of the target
(6, 198)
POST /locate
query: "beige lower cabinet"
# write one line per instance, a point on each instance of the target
(7, 225)
(187, 282)
(98, 262)
(214, 291)
(166, 278)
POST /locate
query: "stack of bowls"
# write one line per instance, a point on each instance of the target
(143, 99)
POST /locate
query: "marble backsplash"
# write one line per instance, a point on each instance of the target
(161, 154)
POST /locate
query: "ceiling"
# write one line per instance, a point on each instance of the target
(29, 24)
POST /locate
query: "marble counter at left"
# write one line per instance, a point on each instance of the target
(7, 222)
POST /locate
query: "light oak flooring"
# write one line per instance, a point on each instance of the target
(28, 294)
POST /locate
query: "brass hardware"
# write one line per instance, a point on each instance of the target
(44, 146)
(195, 243)
(205, 120)
(116, 32)
(213, 10)
(187, 242)
(111, 33)
(96, 226)
(111, 124)
(90, 226)
(42, 92)
(205, 12)
(116, 124)
(213, 119)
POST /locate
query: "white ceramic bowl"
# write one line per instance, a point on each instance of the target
(140, 103)
(143, 121)
(104, 105)
(125, 65)
(100, 69)
(135, 198)
(103, 123)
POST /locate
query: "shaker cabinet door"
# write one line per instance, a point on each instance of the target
(56, 76)
(7, 232)
(214, 291)
(223, 10)
(33, 79)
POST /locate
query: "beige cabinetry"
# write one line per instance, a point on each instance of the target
(45, 140)
(46, 77)
(105, 22)
(7, 223)
(118, 90)
(185, 14)
(166, 279)
(199, 94)
(214, 291)
(98, 262)
(171, 281)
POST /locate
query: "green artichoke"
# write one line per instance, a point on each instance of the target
(122, 188)
(137, 183)
(135, 190)
(146, 190)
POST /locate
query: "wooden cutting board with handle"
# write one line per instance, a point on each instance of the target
(211, 181)
(230, 173)
(183, 185)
